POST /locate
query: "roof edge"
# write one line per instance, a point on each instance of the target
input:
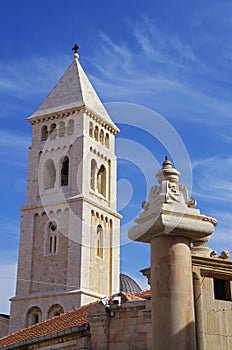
(67, 331)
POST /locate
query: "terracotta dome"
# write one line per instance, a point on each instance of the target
(128, 285)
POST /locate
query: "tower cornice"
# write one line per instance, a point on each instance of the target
(63, 113)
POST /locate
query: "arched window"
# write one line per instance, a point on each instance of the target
(55, 310)
(62, 129)
(70, 127)
(101, 137)
(34, 316)
(101, 180)
(64, 172)
(96, 131)
(93, 174)
(53, 131)
(100, 241)
(52, 238)
(44, 133)
(49, 174)
(107, 140)
(91, 129)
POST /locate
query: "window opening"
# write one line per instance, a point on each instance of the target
(96, 133)
(101, 180)
(91, 129)
(44, 133)
(64, 172)
(49, 174)
(93, 173)
(70, 127)
(52, 237)
(222, 290)
(100, 241)
(53, 132)
(101, 138)
(61, 129)
(107, 141)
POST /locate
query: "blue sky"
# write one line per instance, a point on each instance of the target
(170, 57)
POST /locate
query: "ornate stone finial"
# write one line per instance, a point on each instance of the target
(75, 49)
(167, 172)
(167, 163)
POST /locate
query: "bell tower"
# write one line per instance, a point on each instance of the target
(70, 229)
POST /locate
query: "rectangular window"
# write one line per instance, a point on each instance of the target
(222, 290)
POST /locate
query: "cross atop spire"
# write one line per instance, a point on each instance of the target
(75, 48)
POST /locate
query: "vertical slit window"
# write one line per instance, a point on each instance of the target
(64, 174)
(61, 129)
(93, 174)
(100, 241)
(101, 137)
(107, 140)
(91, 129)
(96, 131)
(49, 176)
(70, 127)
(44, 133)
(101, 181)
(53, 132)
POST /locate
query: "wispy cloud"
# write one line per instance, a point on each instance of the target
(30, 75)
(159, 46)
(214, 178)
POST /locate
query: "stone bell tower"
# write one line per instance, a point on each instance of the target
(69, 239)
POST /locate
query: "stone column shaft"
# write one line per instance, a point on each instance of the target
(172, 294)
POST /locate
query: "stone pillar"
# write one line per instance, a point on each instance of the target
(169, 222)
(172, 293)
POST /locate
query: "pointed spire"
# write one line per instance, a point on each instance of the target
(74, 90)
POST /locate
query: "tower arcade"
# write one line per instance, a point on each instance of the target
(70, 230)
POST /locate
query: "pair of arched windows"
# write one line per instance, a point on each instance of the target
(61, 130)
(34, 314)
(49, 176)
(99, 135)
(98, 178)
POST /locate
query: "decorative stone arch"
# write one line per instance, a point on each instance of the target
(49, 174)
(64, 171)
(34, 315)
(55, 310)
(44, 133)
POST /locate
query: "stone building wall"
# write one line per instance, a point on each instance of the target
(4, 325)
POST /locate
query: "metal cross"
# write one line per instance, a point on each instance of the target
(75, 48)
